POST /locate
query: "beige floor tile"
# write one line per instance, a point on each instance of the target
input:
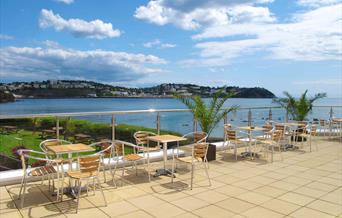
(330, 181)
(334, 196)
(140, 214)
(324, 206)
(296, 198)
(231, 190)
(280, 206)
(190, 203)
(253, 197)
(321, 186)
(296, 180)
(275, 175)
(171, 195)
(260, 212)
(164, 210)
(211, 196)
(310, 192)
(187, 215)
(309, 213)
(235, 205)
(119, 208)
(247, 184)
(42, 211)
(228, 179)
(213, 211)
(270, 191)
(145, 201)
(262, 180)
(284, 185)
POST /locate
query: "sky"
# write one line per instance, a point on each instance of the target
(281, 45)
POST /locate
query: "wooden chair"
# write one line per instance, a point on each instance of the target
(324, 126)
(49, 170)
(235, 141)
(194, 137)
(143, 145)
(106, 151)
(268, 129)
(132, 158)
(309, 135)
(276, 137)
(89, 167)
(198, 156)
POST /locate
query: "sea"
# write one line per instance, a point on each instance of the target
(181, 122)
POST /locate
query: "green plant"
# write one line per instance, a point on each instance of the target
(298, 108)
(208, 115)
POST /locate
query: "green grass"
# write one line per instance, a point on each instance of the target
(30, 130)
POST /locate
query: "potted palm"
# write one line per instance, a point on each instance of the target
(208, 114)
(300, 108)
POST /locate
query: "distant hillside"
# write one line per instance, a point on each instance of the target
(6, 96)
(72, 89)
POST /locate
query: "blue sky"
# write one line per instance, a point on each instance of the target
(277, 44)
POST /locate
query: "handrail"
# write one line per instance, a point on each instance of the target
(59, 115)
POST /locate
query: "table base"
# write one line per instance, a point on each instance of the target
(164, 172)
(249, 154)
(287, 147)
(71, 191)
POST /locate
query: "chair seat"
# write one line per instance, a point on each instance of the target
(42, 171)
(132, 157)
(188, 159)
(80, 175)
(268, 142)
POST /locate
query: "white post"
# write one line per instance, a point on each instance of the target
(113, 128)
(57, 128)
(158, 123)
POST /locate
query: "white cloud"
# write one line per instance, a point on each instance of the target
(193, 14)
(317, 3)
(158, 44)
(6, 37)
(44, 63)
(96, 29)
(68, 2)
(311, 36)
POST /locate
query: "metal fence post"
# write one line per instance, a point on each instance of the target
(225, 119)
(158, 123)
(113, 127)
(57, 128)
(331, 113)
(195, 124)
(287, 116)
(249, 117)
(270, 114)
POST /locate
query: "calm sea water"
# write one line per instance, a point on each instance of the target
(180, 122)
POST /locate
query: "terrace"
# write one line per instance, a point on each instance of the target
(304, 184)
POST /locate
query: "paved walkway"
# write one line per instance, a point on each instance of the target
(303, 185)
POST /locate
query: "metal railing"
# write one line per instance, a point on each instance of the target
(158, 112)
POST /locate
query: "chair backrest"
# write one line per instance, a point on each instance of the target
(231, 135)
(89, 164)
(280, 127)
(200, 150)
(313, 130)
(322, 122)
(277, 135)
(106, 147)
(140, 137)
(28, 156)
(52, 142)
(119, 148)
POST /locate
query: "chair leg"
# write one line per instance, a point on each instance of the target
(78, 195)
(235, 151)
(173, 167)
(148, 166)
(22, 185)
(192, 175)
(104, 199)
(206, 172)
(23, 197)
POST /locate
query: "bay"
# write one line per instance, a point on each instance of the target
(180, 122)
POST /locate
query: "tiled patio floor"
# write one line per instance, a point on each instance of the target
(303, 185)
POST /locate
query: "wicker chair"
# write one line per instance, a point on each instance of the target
(198, 156)
(273, 142)
(309, 135)
(235, 141)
